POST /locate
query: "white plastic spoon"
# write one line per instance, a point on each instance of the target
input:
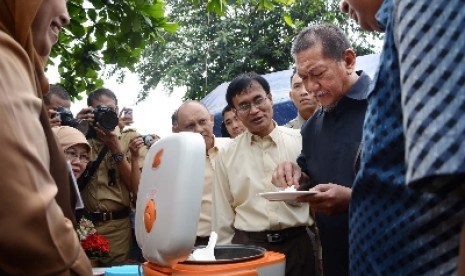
(207, 253)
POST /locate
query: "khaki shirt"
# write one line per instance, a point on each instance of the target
(244, 169)
(296, 123)
(99, 195)
(204, 226)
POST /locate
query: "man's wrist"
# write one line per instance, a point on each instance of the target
(118, 157)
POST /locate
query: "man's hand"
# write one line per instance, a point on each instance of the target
(331, 198)
(53, 118)
(135, 144)
(109, 138)
(86, 114)
(125, 117)
(286, 174)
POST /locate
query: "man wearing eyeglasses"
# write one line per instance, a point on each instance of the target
(106, 195)
(243, 170)
(331, 138)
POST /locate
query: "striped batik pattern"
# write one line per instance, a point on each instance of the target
(395, 230)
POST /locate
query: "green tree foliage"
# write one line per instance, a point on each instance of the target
(106, 34)
(246, 35)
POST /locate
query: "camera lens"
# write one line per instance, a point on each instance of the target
(108, 121)
(106, 117)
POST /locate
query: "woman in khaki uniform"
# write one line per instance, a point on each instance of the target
(37, 236)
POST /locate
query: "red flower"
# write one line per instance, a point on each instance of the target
(95, 246)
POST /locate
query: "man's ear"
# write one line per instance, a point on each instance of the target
(349, 60)
(270, 97)
(175, 129)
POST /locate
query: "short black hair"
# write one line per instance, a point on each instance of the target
(332, 39)
(243, 81)
(226, 109)
(95, 95)
(58, 90)
(174, 118)
(224, 130)
(294, 71)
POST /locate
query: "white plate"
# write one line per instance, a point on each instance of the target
(98, 271)
(283, 196)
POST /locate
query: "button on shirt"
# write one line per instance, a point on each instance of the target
(204, 225)
(243, 170)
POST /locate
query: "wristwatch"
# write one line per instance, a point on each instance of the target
(117, 157)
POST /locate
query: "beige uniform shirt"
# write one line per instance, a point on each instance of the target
(244, 169)
(296, 123)
(204, 226)
(100, 194)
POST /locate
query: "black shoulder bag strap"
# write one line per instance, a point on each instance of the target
(84, 180)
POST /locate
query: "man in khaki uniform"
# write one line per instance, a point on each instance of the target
(193, 116)
(304, 101)
(107, 195)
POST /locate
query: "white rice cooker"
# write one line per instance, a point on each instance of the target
(168, 210)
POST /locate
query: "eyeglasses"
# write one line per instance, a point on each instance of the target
(73, 155)
(245, 107)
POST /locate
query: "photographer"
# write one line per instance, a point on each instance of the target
(57, 97)
(106, 193)
(58, 103)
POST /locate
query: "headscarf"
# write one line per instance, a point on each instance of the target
(16, 19)
(69, 136)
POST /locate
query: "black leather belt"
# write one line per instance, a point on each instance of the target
(107, 216)
(199, 240)
(276, 236)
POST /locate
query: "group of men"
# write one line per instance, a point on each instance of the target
(384, 156)
(240, 168)
(385, 163)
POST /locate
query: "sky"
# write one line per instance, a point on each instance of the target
(152, 116)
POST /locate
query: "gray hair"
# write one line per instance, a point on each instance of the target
(332, 39)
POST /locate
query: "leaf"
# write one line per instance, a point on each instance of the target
(288, 19)
(155, 11)
(170, 27)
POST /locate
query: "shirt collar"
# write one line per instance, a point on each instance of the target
(254, 138)
(383, 14)
(215, 148)
(359, 90)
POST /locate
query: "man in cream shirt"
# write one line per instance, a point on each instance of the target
(244, 168)
(193, 116)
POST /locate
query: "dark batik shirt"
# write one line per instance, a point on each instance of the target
(330, 151)
(430, 41)
(395, 230)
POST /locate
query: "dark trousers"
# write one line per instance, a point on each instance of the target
(199, 241)
(294, 242)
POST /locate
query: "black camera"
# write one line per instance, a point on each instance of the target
(105, 117)
(148, 140)
(67, 119)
